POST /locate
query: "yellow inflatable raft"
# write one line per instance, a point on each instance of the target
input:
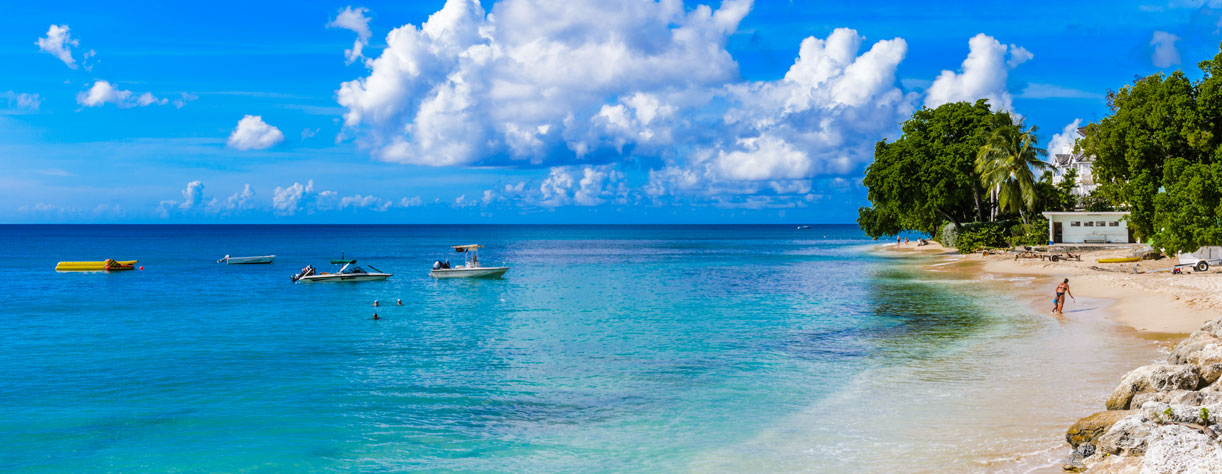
(1119, 260)
(107, 265)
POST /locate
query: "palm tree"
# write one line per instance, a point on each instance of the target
(1005, 165)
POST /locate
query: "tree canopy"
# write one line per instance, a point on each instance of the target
(1159, 156)
(928, 176)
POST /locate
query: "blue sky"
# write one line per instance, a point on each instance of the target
(527, 110)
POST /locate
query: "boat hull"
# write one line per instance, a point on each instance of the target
(1119, 260)
(482, 272)
(334, 277)
(94, 266)
(250, 260)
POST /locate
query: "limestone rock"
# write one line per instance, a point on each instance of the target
(1087, 429)
(1100, 464)
(1181, 449)
(1126, 437)
(1158, 411)
(1153, 378)
(1176, 397)
(1076, 463)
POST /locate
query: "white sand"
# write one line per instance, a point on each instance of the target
(1150, 302)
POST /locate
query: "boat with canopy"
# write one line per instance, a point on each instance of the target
(472, 269)
(348, 272)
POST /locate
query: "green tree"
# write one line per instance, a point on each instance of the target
(1157, 157)
(927, 177)
(1066, 201)
(1151, 121)
(1005, 164)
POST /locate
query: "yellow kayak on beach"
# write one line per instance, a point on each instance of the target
(107, 265)
(1119, 260)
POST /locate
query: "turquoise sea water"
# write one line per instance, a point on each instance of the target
(618, 348)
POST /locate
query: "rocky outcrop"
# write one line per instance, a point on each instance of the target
(1127, 437)
(1153, 378)
(1086, 430)
(1181, 449)
(1161, 418)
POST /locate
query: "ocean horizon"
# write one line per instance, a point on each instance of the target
(613, 348)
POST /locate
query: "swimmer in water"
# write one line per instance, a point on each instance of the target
(399, 302)
(375, 317)
(375, 303)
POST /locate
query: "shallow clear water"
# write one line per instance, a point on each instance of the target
(619, 348)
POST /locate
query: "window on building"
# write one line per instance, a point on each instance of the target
(1113, 224)
(1075, 224)
(1101, 223)
(1089, 224)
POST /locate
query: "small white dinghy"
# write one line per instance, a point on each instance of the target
(471, 270)
(228, 260)
(349, 272)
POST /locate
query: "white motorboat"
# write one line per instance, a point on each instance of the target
(472, 269)
(228, 260)
(348, 272)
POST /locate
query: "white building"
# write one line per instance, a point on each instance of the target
(1063, 162)
(1088, 228)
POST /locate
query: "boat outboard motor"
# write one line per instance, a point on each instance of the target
(307, 271)
(437, 265)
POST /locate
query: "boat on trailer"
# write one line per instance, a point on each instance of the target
(228, 260)
(348, 272)
(472, 269)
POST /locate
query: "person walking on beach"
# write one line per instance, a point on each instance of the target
(1058, 304)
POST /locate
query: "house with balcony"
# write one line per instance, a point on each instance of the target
(1063, 162)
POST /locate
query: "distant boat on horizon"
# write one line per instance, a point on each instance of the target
(803, 227)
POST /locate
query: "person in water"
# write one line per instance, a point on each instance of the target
(1058, 304)
(375, 316)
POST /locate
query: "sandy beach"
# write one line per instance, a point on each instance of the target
(1155, 301)
(1102, 332)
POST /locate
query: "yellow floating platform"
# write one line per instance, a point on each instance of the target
(102, 266)
(1119, 260)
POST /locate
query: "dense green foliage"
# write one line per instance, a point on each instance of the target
(1005, 164)
(961, 173)
(1096, 202)
(978, 235)
(927, 177)
(1061, 198)
(1158, 156)
(1033, 233)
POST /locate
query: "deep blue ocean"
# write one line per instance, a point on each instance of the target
(605, 348)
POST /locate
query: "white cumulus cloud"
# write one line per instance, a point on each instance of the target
(353, 19)
(982, 76)
(1165, 54)
(589, 85)
(1063, 142)
(22, 100)
(304, 198)
(59, 43)
(103, 92)
(524, 82)
(252, 133)
(195, 203)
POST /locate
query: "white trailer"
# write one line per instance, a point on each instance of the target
(1202, 258)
